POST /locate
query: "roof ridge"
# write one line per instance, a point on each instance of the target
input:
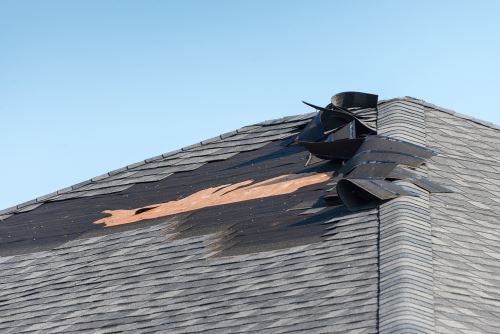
(446, 110)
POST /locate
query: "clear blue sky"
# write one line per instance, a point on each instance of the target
(90, 86)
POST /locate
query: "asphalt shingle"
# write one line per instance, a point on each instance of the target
(147, 283)
(465, 223)
(419, 264)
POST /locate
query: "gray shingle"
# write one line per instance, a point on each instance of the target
(464, 223)
(406, 269)
(419, 264)
(305, 282)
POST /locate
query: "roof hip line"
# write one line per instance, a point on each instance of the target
(405, 270)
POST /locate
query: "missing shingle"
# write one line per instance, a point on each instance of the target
(262, 223)
(243, 191)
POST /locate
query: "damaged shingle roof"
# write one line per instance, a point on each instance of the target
(279, 263)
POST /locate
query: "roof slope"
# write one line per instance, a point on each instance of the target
(137, 281)
(267, 264)
(135, 277)
(465, 224)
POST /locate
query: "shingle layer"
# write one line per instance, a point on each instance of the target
(150, 279)
(465, 224)
(414, 265)
(142, 281)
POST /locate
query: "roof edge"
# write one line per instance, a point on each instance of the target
(445, 110)
(32, 204)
